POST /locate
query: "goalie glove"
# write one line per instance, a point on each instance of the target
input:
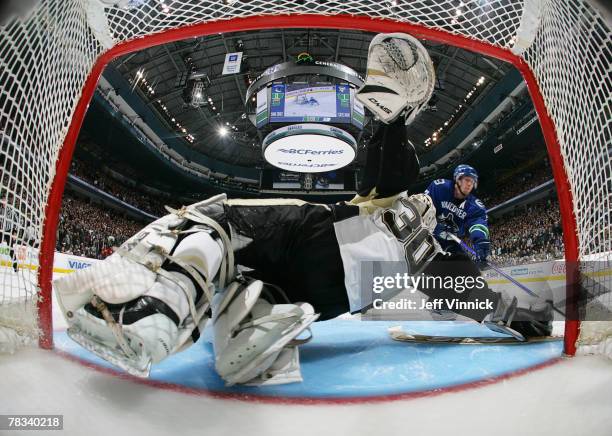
(400, 77)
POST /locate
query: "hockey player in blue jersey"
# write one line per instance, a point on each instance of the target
(459, 212)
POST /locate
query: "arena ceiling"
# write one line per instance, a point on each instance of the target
(156, 72)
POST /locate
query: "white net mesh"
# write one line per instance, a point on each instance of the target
(46, 56)
(571, 58)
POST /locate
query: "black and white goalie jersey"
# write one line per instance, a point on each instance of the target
(394, 229)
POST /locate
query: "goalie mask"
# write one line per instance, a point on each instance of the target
(426, 209)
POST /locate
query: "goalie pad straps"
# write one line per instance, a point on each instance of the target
(194, 214)
(115, 328)
(255, 341)
(193, 263)
(400, 77)
(189, 256)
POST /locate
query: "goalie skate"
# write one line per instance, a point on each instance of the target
(400, 77)
(293, 321)
(93, 334)
(500, 320)
(256, 341)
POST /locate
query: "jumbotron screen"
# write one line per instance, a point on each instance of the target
(296, 103)
(343, 180)
(290, 180)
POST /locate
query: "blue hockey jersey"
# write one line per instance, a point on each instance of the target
(467, 217)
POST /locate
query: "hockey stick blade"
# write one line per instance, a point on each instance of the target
(399, 335)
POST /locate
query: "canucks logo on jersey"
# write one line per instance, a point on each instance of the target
(466, 217)
(448, 221)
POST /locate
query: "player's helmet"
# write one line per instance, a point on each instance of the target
(466, 170)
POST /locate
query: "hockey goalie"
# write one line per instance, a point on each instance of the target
(177, 276)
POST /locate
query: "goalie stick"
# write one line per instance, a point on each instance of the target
(397, 334)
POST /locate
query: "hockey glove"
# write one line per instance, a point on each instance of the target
(400, 77)
(482, 249)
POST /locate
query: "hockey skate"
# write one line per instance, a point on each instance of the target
(520, 322)
(255, 341)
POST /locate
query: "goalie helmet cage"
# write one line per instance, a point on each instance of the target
(52, 56)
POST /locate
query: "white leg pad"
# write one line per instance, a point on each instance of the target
(147, 340)
(115, 280)
(162, 304)
(254, 340)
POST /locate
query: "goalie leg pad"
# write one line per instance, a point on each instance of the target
(148, 340)
(254, 340)
(128, 329)
(136, 334)
(115, 280)
(400, 77)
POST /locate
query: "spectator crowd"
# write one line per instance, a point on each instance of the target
(521, 183)
(89, 230)
(530, 234)
(105, 183)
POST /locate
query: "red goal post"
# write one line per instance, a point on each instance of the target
(561, 47)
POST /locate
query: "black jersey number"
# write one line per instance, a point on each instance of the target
(406, 227)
